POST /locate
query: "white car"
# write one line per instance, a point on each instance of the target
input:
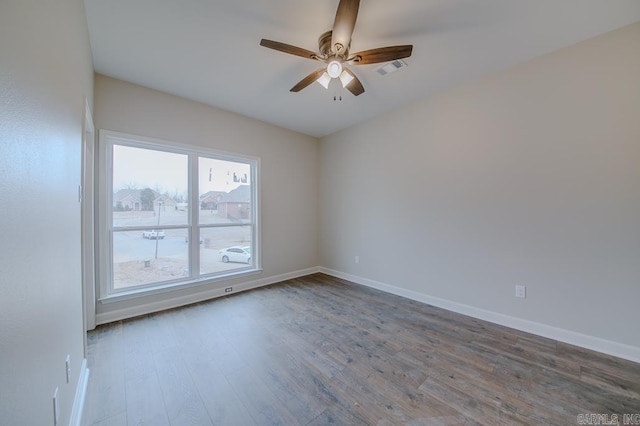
(153, 234)
(235, 254)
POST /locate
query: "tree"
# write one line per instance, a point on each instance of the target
(130, 185)
(146, 199)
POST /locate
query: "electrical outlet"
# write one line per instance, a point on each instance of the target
(521, 292)
(56, 408)
(67, 364)
(228, 289)
(357, 260)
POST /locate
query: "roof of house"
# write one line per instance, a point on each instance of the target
(124, 194)
(134, 195)
(241, 194)
(212, 194)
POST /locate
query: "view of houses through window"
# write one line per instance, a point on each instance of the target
(156, 238)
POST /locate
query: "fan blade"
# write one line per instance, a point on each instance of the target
(381, 54)
(354, 85)
(343, 25)
(287, 48)
(308, 80)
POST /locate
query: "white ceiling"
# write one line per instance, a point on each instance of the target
(208, 51)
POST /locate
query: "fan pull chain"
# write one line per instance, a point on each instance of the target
(337, 96)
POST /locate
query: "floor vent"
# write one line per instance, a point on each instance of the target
(392, 67)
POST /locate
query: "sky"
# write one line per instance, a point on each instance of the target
(141, 168)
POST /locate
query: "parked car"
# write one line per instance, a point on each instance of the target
(235, 254)
(153, 234)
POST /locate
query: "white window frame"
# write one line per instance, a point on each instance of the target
(108, 138)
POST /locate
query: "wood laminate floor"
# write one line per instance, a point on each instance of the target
(318, 350)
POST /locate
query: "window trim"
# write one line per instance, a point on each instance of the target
(104, 219)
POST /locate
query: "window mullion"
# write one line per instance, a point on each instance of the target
(194, 206)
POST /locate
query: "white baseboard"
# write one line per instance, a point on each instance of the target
(195, 297)
(81, 393)
(619, 350)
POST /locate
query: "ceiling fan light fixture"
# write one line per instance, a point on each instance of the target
(324, 80)
(334, 69)
(345, 78)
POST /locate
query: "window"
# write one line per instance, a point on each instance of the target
(174, 215)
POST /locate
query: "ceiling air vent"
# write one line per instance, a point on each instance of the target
(391, 67)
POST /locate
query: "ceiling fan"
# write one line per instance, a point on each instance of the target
(334, 51)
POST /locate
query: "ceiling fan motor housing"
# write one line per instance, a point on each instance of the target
(324, 45)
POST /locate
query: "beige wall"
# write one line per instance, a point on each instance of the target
(288, 173)
(529, 177)
(45, 75)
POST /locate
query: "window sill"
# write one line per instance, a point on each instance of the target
(170, 287)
